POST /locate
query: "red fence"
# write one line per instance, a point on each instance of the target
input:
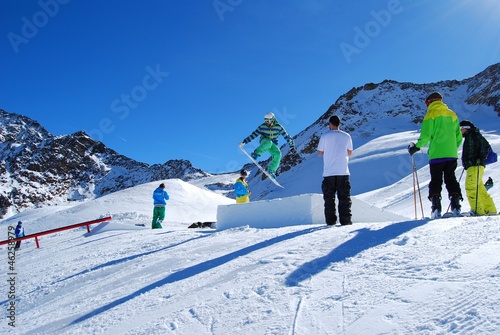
(52, 231)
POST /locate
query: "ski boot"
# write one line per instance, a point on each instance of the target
(455, 204)
(272, 174)
(473, 213)
(435, 207)
(157, 225)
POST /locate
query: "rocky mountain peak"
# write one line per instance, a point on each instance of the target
(391, 106)
(37, 168)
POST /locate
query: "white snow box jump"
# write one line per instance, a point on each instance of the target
(301, 209)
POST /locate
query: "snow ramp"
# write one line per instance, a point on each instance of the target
(301, 209)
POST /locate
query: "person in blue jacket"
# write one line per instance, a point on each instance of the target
(241, 188)
(160, 197)
(19, 233)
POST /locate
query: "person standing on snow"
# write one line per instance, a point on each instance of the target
(474, 153)
(489, 183)
(19, 233)
(336, 147)
(159, 199)
(441, 129)
(269, 132)
(241, 188)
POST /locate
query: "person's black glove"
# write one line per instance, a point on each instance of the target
(412, 148)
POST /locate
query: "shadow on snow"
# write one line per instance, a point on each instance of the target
(364, 239)
(194, 270)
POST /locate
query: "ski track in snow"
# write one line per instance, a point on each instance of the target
(340, 281)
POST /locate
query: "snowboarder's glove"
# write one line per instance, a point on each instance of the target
(412, 148)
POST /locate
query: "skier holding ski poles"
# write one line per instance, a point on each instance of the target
(441, 129)
(474, 153)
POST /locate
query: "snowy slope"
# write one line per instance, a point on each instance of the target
(373, 114)
(404, 277)
(394, 197)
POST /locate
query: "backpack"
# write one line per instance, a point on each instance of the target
(491, 157)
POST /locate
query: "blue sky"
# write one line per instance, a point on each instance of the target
(157, 80)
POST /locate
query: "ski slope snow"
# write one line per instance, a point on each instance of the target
(380, 276)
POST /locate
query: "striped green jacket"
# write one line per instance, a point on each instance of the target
(271, 132)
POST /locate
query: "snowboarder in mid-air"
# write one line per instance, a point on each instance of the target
(269, 132)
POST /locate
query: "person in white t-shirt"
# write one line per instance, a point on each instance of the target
(336, 147)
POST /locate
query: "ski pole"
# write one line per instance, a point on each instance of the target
(414, 190)
(477, 186)
(418, 188)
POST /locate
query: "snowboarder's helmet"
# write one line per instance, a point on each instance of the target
(269, 117)
(244, 173)
(433, 97)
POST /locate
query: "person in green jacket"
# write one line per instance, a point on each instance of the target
(269, 132)
(441, 130)
(474, 153)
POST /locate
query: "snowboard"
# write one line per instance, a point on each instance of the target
(260, 167)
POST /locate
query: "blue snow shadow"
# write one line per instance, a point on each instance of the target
(364, 240)
(195, 270)
(111, 263)
(126, 259)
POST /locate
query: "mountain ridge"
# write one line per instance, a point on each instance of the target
(75, 167)
(392, 106)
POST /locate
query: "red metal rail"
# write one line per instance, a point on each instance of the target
(52, 231)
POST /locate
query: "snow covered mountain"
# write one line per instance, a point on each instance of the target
(37, 168)
(75, 167)
(374, 111)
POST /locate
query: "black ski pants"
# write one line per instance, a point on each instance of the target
(446, 170)
(340, 186)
